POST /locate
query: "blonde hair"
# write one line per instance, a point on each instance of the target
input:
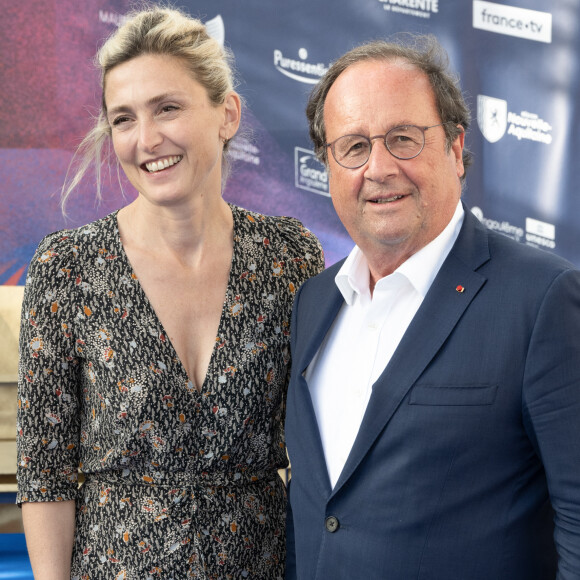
(160, 31)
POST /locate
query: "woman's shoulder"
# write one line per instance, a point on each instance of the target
(284, 231)
(68, 245)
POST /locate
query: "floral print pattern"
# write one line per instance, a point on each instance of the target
(179, 482)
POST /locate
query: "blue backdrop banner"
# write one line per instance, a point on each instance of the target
(518, 63)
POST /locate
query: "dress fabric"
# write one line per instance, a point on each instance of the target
(179, 482)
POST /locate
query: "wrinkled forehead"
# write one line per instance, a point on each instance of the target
(377, 85)
(379, 70)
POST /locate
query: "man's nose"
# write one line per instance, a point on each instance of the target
(381, 164)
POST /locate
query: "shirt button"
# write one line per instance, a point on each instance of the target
(331, 524)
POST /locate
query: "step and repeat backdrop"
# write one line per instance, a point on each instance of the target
(519, 64)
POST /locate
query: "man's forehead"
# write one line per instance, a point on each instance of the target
(382, 64)
(359, 78)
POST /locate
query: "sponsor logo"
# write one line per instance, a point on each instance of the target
(299, 70)
(491, 117)
(529, 126)
(215, 27)
(540, 234)
(494, 120)
(309, 173)
(503, 227)
(417, 8)
(114, 18)
(513, 21)
(242, 150)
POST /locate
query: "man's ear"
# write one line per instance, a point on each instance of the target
(457, 148)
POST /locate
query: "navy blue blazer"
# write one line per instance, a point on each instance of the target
(467, 462)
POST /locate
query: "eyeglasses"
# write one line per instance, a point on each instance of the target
(403, 142)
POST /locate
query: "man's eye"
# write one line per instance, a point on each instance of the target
(353, 147)
(405, 136)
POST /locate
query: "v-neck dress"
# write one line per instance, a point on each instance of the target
(179, 482)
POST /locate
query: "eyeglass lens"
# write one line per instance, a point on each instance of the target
(404, 142)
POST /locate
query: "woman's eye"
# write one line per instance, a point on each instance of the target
(120, 120)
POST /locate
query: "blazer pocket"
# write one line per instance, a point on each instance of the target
(464, 395)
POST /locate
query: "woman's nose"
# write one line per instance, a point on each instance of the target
(149, 135)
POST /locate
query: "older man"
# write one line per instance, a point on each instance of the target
(433, 419)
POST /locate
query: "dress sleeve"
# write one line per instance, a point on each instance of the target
(552, 410)
(48, 418)
(304, 246)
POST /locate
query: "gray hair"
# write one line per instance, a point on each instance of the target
(423, 53)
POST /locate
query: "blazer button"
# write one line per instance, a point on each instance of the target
(331, 524)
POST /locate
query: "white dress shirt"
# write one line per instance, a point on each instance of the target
(363, 338)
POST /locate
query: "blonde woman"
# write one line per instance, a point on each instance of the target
(154, 341)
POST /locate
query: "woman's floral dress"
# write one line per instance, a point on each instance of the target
(179, 482)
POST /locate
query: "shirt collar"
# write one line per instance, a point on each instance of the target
(420, 269)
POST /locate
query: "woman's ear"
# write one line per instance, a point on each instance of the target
(232, 115)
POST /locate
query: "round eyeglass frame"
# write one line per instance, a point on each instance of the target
(384, 138)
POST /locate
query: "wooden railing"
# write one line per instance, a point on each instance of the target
(10, 306)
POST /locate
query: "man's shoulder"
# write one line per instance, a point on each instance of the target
(505, 252)
(522, 257)
(318, 296)
(324, 280)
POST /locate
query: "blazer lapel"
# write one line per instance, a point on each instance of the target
(316, 315)
(453, 289)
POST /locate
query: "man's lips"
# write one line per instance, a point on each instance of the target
(161, 164)
(386, 199)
